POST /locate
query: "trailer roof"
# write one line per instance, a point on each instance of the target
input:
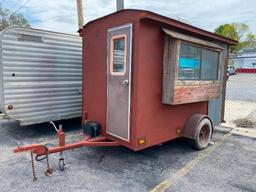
(143, 14)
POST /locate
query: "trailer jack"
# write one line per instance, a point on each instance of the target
(42, 152)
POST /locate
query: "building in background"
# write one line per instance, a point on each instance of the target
(244, 61)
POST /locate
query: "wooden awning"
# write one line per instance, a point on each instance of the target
(191, 39)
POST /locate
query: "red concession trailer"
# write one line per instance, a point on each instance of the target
(148, 79)
(146, 75)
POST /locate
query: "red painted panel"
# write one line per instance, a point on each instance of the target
(157, 122)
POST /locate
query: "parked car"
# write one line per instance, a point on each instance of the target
(231, 70)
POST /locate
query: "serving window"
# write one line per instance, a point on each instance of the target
(190, 69)
(197, 62)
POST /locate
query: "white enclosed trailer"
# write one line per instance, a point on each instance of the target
(40, 75)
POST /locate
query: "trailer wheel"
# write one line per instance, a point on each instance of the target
(203, 134)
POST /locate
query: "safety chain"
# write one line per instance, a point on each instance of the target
(33, 166)
(48, 171)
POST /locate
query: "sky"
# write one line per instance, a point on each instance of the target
(61, 15)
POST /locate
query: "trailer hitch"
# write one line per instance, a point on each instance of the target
(42, 152)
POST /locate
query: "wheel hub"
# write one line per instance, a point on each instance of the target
(204, 135)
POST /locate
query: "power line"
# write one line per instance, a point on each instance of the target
(13, 4)
(21, 7)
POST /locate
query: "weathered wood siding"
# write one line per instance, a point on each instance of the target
(169, 63)
(215, 105)
(177, 91)
(190, 94)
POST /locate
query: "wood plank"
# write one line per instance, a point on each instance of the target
(169, 63)
(191, 39)
(191, 94)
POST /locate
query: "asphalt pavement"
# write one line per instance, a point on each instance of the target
(230, 165)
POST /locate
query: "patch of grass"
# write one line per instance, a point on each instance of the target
(245, 122)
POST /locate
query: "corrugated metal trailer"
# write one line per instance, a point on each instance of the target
(40, 75)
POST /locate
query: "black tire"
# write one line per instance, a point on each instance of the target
(203, 135)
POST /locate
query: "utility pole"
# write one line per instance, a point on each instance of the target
(119, 5)
(80, 13)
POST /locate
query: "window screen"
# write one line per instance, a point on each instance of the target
(197, 63)
(118, 57)
(209, 67)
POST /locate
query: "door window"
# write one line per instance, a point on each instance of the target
(118, 55)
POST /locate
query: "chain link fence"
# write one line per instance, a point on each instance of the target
(240, 104)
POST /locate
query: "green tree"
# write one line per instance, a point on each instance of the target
(8, 19)
(239, 32)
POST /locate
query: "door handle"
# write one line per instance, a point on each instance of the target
(126, 82)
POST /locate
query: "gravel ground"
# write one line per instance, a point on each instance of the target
(231, 167)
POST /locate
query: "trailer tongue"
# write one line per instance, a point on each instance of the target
(42, 152)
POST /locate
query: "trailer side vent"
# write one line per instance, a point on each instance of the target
(32, 38)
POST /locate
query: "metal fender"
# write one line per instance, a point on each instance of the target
(191, 125)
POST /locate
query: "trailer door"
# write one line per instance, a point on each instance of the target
(119, 46)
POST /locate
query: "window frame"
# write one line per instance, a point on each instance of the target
(202, 47)
(175, 91)
(120, 36)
